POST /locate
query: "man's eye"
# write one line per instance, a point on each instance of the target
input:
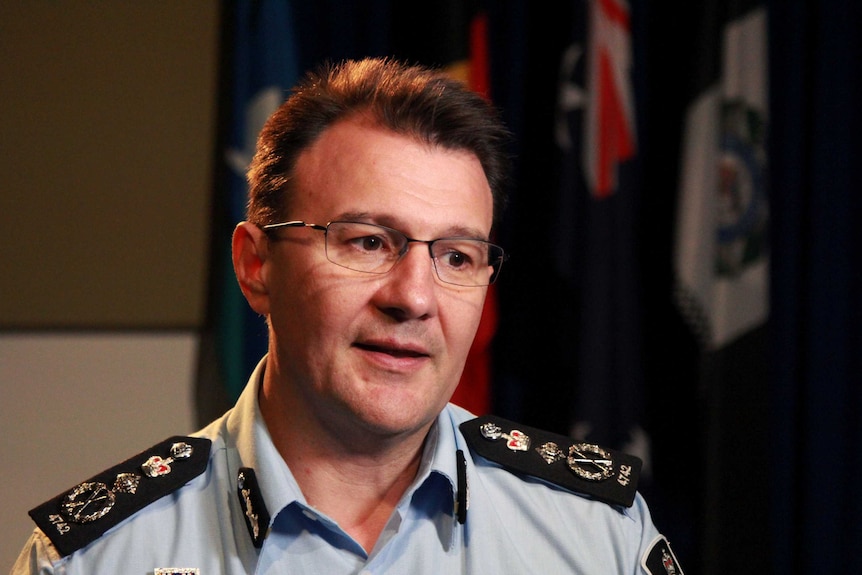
(455, 259)
(368, 243)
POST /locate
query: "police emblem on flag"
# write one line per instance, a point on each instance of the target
(743, 210)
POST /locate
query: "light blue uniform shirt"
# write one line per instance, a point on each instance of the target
(513, 525)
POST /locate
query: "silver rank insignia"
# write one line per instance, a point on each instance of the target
(590, 462)
(93, 500)
(515, 440)
(155, 466)
(127, 483)
(81, 515)
(607, 475)
(88, 501)
(586, 460)
(551, 452)
(253, 507)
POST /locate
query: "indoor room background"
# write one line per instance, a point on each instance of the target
(685, 271)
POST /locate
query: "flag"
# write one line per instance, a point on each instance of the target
(596, 244)
(259, 65)
(474, 390)
(454, 36)
(721, 273)
(609, 124)
(721, 258)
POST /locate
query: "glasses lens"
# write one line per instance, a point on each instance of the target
(363, 247)
(467, 262)
(376, 249)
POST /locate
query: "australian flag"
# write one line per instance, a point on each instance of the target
(597, 138)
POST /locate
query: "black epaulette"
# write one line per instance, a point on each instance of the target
(604, 474)
(78, 517)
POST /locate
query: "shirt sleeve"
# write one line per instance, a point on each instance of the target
(39, 557)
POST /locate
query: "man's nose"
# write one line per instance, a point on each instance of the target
(409, 289)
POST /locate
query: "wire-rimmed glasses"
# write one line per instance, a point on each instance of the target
(371, 248)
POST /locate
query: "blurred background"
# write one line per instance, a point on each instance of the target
(685, 258)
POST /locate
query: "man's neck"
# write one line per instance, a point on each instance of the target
(355, 478)
(360, 498)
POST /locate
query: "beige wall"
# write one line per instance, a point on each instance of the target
(107, 121)
(106, 145)
(75, 404)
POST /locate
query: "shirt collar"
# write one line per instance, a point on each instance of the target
(439, 452)
(438, 471)
(255, 449)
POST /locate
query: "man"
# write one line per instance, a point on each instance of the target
(373, 195)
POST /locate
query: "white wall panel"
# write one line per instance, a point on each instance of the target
(75, 404)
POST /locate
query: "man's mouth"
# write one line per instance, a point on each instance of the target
(394, 351)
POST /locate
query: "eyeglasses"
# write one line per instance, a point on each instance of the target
(376, 249)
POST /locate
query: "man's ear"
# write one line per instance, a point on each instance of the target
(250, 250)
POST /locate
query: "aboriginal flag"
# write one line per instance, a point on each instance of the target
(454, 35)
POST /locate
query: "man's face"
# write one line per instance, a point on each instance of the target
(361, 351)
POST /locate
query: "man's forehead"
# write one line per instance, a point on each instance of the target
(404, 224)
(361, 172)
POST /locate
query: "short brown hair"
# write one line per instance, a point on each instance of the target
(412, 100)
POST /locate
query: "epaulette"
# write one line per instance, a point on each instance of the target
(604, 474)
(78, 517)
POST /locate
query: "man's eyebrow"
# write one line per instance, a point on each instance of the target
(354, 217)
(465, 232)
(455, 231)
